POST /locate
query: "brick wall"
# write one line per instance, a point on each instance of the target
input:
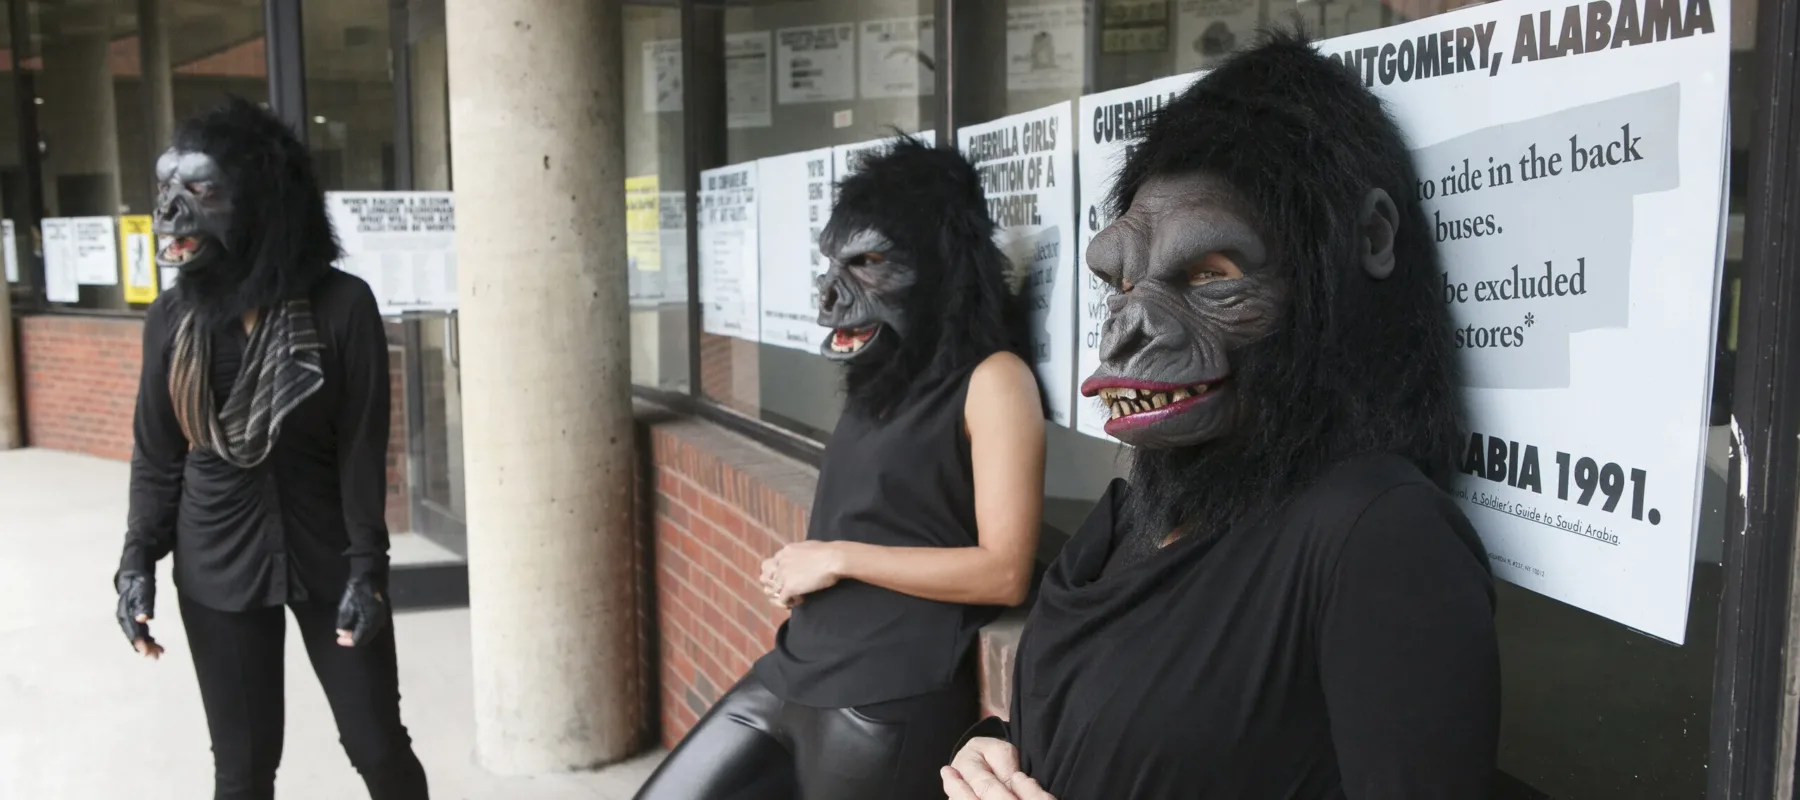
(81, 374)
(722, 505)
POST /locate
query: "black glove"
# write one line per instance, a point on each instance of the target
(363, 613)
(137, 598)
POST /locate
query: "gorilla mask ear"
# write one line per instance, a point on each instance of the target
(1379, 224)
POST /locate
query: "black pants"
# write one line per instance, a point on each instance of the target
(238, 657)
(753, 745)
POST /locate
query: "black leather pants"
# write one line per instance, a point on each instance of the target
(753, 745)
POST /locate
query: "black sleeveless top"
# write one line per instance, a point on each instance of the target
(906, 482)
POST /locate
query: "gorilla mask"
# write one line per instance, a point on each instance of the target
(1272, 309)
(193, 210)
(239, 212)
(863, 292)
(916, 287)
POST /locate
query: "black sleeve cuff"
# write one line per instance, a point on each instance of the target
(370, 568)
(134, 559)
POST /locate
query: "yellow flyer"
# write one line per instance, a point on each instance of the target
(137, 257)
(643, 226)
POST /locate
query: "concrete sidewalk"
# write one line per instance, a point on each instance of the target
(84, 718)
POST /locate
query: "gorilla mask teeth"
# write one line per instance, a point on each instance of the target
(850, 340)
(1126, 401)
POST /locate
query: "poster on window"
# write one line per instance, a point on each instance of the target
(1044, 44)
(10, 241)
(662, 76)
(897, 57)
(847, 159)
(1110, 121)
(728, 254)
(137, 258)
(1027, 173)
(1208, 30)
(817, 64)
(403, 244)
(643, 240)
(94, 246)
(60, 284)
(749, 69)
(1571, 169)
(672, 217)
(796, 190)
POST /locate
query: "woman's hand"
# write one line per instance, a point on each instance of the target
(800, 569)
(988, 769)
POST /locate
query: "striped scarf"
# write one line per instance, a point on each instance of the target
(281, 368)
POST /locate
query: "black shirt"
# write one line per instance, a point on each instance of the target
(1345, 651)
(296, 526)
(906, 482)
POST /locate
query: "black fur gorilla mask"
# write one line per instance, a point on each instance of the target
(1272, 310)
(239, 212)
(916, 286)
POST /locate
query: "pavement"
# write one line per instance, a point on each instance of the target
(82, 717)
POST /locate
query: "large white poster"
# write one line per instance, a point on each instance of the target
(847, 159)
(749, 69)
(1027, 173)
(1109, 123)
(1044, 44)
(1571, 163)
(728, 254)
(60, 284)
(403, 244)
(897, 57)
(817, 64)
(796, 190)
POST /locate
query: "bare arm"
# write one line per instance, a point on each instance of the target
(1004, 419)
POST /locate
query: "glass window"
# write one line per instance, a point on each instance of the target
(803, 77)
(655, 189)
(349, 94)
(106, 86)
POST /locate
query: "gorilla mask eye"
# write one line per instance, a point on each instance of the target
(1213, 267)
(867, 260)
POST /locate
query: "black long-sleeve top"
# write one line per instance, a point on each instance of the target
(297, 526)
(1346, 651)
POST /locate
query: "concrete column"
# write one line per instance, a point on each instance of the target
(159, 84)
(81, 120)
(548, 444)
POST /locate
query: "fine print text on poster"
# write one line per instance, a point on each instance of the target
(897, 57)
(1026, 168)
(749, 69)
(403, 244)
(1044, 46)
(797, 188)
(94, 248)
(137, 252)
(728, 251)
(817, 64)
(1109, 121)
